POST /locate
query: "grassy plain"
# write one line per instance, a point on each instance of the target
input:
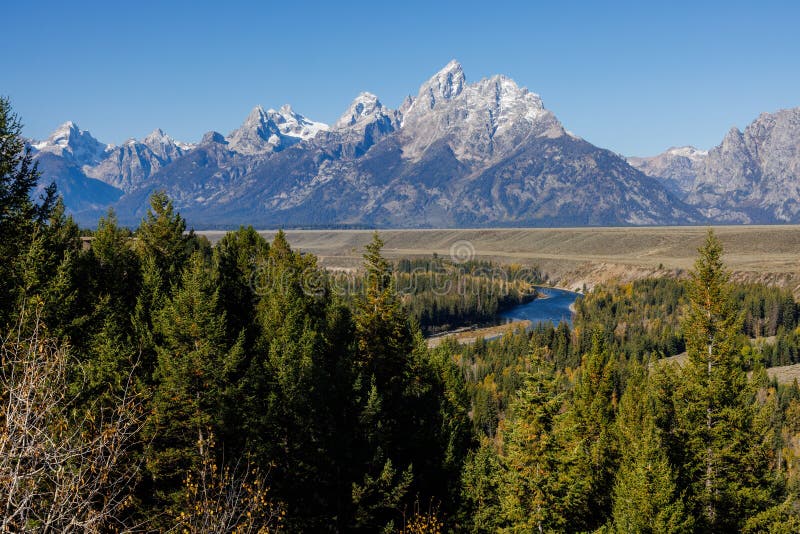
(574, 257)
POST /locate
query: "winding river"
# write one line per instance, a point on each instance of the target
(554, 307)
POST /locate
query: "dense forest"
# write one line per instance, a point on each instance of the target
(442, 294)
(642, 319)
(153, 382)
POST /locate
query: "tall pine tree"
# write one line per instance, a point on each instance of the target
(645, 496)
(725, 463)
(190, 379)
(21, 219)
(533, 482)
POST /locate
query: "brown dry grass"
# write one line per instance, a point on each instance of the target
(786, 374)
(577, 256)
(470, 336)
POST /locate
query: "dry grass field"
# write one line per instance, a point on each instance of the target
(786, 374)
(574, 257)
(471, 336)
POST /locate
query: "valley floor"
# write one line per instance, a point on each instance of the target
(576, 257)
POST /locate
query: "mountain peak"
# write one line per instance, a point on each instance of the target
(69, 140)
(158, 136)
(364, 107)
(67, 126)
(452, 66)
(271, 130)
(256, 116)
(65, 132)
(445, 84)
(287, 110)
(213, 137)
(165, 147)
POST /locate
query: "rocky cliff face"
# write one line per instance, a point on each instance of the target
(753, 176)
(123, 167)
(678, 167)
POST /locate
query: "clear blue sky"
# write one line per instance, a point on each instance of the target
(635, 77)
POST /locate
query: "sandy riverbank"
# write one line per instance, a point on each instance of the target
(470, 336)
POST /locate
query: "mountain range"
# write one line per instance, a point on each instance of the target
(456, 154)
(751, 177)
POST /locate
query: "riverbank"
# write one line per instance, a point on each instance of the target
(551, 305)
(470, 335)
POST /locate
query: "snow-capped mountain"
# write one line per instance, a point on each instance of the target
(486, 153)
(482, 120)
(73, 144)
(271, 131)
(123, 167)
(365, 110)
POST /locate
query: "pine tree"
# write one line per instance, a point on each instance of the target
(19, 215)
(161, 237)
(587, 428)
(412, 416)
(296, 389)
(533, 480)
(480, 495)
(645, 495)
(110, 276)
(384, 336)
(149, 301)
(190, 378)
(114, 270)
(725, 463)
(46, 270)
(384, 343)
(238, 258)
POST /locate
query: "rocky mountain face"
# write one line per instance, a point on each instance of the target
(269, 131)
(124, 167)
(486, 153)
(678, 167)
(751, 177)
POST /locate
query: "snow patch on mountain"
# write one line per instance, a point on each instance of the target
(271, 131)
(479, 121)
(77, 145)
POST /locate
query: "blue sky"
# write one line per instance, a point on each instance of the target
(635, 77)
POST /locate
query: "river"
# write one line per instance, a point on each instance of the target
(553, 308)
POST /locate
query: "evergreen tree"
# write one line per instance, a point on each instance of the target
(384, 343)
(587, 428)
(238, 257)
(725, 462)
(47, 271)
(115, 270)
(21, 219)
(645, 495)
(480, 493)
(412, 407)
(161, 237)
(533, 480)
(382, 329)
(149, 301)
(190, 379)
(20, 216)
(298, 417)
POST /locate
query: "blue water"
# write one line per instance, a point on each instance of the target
(554, 308)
